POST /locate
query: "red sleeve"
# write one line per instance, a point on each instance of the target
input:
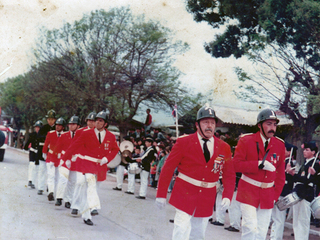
(46, 143)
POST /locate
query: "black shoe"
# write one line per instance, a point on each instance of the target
(88, 222)
(140, 197)
(74, 212)
(129, 192)
(231, 229)
(67, 205)
(50, 197)
(58, 202)
(116, 188)
(210, 219)
(217, 223)
(29, 183)
(171, 220)
(40, 192)
(94, 212)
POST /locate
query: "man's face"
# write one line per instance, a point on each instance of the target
(307, 153)
(59, 128)
(269, 128)
(91, 123)
(100, 124)
(51, 121)
(37, 129)
(73, 127)
(208, 126)
(147, 143)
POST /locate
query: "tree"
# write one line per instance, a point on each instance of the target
(286, 32)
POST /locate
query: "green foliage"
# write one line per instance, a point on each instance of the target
(107, 60)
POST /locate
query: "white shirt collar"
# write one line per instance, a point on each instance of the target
(264, 139)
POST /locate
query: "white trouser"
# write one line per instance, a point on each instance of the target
(278, 218)
(66, 184)
(131, 182)
(220, 214)
(120, 175)
(301, 220)
(188, 227)
(144, 183)
(92, 194)
(79, 190)
(32, 172)
(53, 177)
(235, 212)
(255, 222)
(42, 175)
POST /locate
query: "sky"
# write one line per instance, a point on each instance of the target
(21, 20)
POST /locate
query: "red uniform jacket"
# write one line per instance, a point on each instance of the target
(246, 161)
(62, 145)
(90, 152)
(188, 156)
(49, 147)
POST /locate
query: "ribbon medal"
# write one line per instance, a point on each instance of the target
(218, 164)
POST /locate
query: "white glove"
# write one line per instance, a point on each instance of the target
(61, 162)
(104, 160)
(225, 203)
(68, 163)
(161, 202)
(59, 155)
(74, 158)
(44, 156)
(268, 166)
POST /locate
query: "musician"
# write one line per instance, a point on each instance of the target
(132, 176)
(95, 148)
(260, 158)
(120, 172)
(34, 154)
(199, 157)
(279, 217)
(305, 183)
(148, 156)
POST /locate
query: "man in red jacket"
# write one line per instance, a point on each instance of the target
(94, 148)
(260, 157)
(51, 156)
(200, 159)
(67, 173)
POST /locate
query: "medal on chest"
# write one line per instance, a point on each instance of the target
(218, 164)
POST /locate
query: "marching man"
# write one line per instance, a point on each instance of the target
(260, 158)
(49, 150)
(95, 148)
(200, 157)
(67, 174)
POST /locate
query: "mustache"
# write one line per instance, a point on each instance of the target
(208, 130)
(271, 131)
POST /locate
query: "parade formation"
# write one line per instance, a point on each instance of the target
(259, 183)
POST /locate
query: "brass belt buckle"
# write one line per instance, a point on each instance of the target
(204, 184)
(264, 185)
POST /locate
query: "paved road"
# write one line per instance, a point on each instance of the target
(26, 215)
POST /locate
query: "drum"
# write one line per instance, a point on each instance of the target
(134, 168)
(288, 201)
(115, 162)
(126, 145)
(315, 207)
(124, 154)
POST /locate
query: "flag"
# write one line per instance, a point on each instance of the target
(174, 112)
